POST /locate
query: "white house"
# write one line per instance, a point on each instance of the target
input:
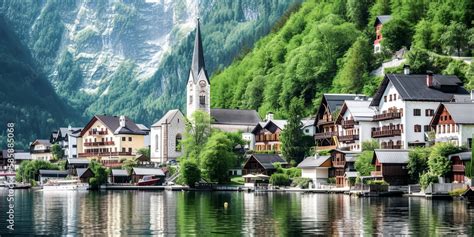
(166, 135)
(308, 127)
(316, 169)
(67, 139)
(405, 104)
(454, 122)
(355, 124)
(40, 149)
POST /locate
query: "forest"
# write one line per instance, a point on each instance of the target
(327, 47)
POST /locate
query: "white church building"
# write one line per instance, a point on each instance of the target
(169, 130)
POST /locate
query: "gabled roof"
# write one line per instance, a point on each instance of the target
(312, 162)
(351, 174)
(81, 161)
(148, 171)
(113, 124)
(464, 156)
(143, 127)
(391, 156)
(461, 113)
(359, 109)
(198, 66)
(22, 156)
(235, 116)
(66, 131)
(382, 19)
(42, 142)
(267, 160)
(308, 122)
(119, 172)
(167, 117)
(51, 173)
(274, 123)
(81, 171)
(335, 102)
(412, 87)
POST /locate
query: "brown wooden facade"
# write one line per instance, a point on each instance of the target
(339, 165)
(267, 138)
(262, 164)
(394, 174)
(326, 128)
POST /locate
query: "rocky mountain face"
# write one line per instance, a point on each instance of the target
(132, 57)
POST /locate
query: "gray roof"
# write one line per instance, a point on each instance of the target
(311, 161)
(359, 109)
(461, 113)
(198, 64)
(167, 117)
(462, 99)
(391, 156)
(78, 161)
(413, 87)
(66, 131)
(22, 156)
(235, 116)
(465, 156)
(351, 174)
(61, 173)
(119, 172)
(308, 122)
(148, 171)
(81, 171)
(335, 101)
(113, 123)
(43, 142)
(267, 160)
(143, 127)
(351, 157)
(382, 19)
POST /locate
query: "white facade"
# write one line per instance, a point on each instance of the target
(198, 93)
(309, 130)
(166, 135)
(70, 147)
(319, 175)
(458, 134)
(250, 139)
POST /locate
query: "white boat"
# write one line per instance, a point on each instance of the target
(65, 185)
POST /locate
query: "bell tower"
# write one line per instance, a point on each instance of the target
(198, 88)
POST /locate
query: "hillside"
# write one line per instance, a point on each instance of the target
(132, 57)
(26, 97)
(327, 47)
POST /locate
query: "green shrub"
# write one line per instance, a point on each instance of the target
(377, 182)
(278, 179)
(427, 179)
(301, 182)
(457, 192)
(190, 173)
(332, 180)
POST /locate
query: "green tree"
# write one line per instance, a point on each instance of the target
(57, 152)
(189, 173)
(363, 163)
(294, 146)
(100, 175)
(418, 162)
(198, 130)
(357, 12)
(396, 34)
(455, 38)
(217, 157)
(422, 38)
(438, 161)
(129, 163)
(29, 170)
(145, 151)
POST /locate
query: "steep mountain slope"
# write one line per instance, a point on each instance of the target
(26, 97)
(132, 57)
(326, 46)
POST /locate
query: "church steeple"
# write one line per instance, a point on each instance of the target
(198, 54)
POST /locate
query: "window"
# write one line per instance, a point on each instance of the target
(123, 139)
(129, 139)
(156, 142)
(417, 128)
(130, 149)
(306, 130)
(385, 98)
(390, 97)
(427, 128)
(429, 112)
(202, 100)
(416, 112)
(178, 142)
(123, 149)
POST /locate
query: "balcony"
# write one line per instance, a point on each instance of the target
(94, 154)
(390, 132)
(376, 173)
(98, 132)
(267, 138)
(108, 143)
(348, 138)
(348, 123)
(387, 116)
(322, 148)
(324, 135)
(325, 120)
(391, 146)
(458, 168)
(339, 163)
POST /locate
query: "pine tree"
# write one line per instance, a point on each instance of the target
(294, 143)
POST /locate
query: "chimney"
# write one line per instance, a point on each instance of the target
(122, 121)
(269, 116)
(429, 78)
(406, 69)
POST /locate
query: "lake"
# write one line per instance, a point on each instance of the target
(248, 214)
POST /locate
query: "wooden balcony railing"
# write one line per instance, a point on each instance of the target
(387, 133)
(376, 173)
(387, 116)
(458, 168)
(92, 154)
(392, 146)
(98, 132)
(267, 138)
(339, 163)
(348, 138)
(108, 143)
(324, 121)
(324, 135)
(348, 123)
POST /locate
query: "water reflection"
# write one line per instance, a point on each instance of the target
(123, 213)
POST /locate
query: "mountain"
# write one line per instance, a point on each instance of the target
(132, 57)
(26, 96)
(326, 46)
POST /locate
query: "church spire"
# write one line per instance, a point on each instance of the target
(198, 54)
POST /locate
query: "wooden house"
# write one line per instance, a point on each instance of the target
(391, 166)
(262, 164)
(342, 162)
(459, 166)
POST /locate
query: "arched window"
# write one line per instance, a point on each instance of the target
(178, 142)
(156, 142)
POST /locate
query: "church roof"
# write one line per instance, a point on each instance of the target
(198, 65)
(235, 116)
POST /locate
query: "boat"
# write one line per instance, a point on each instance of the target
(58, 185)
(148, 181)
(15, 185)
